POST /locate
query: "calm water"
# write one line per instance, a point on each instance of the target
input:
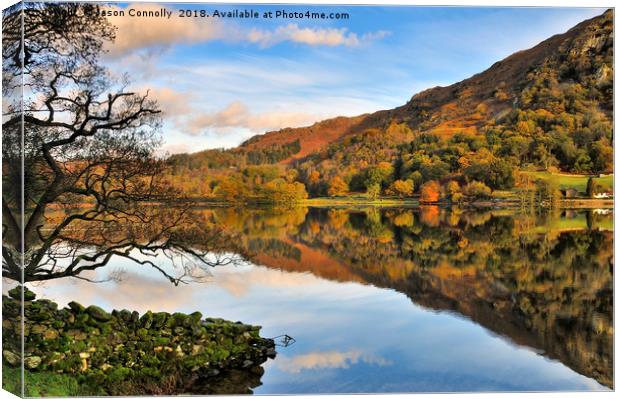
(403, 300)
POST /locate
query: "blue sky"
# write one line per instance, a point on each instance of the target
(221, 81)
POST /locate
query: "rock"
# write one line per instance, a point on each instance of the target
(98, 314)
(146, 321)
(177, 319)
(38, 329)
(42, 316)
(32, 362)
(212, 372)
(77, 335)
(91, 341)
(48, 304)
(124, 315)
(11, 358)
(29, 295)
(197, 349)
(196, 317)
(50, 334)
(159, 319)
(76, 307)
(82, 318)
(16, 293)
(58, 324)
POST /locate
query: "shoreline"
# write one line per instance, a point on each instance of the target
(321, 202)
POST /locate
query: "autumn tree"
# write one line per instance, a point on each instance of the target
(547, 192)
(430, 192)
(453, 191)
(373, 191)
(337, 187)
(279, 191)
(401, 188)
(231, 189)
(477, 190)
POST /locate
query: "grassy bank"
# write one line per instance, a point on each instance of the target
(45, 384)
(577, 182)
(360, 201)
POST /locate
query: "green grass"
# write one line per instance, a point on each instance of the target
(359, 200)
(42, 383)
(579, 222)
(578, 182)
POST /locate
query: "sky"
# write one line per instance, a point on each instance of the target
(220, 81)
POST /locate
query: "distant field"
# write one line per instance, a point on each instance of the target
(578, 222)
(578, 182)
(359, 200)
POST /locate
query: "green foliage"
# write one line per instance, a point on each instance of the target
(496, 173)
(477, 190)
(401, 188)
(593, 187)
(547, 192)
(273, 154)
(45, 384)
(373, 190)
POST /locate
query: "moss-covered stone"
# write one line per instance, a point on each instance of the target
(121, 347)
(98, 314)
(16, 293)
(76, 307)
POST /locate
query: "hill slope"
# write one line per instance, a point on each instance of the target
(456, 108)
(547, 107)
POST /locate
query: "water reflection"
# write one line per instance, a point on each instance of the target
(403, 300)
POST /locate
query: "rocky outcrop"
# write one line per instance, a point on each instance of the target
(119, 348)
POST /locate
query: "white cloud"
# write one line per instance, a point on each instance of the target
(237, 115)
(139, 33)
(331, 360)
(312, 36)
(136, 33)
(239, 282)
(181, 110)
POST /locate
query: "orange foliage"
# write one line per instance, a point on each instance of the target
(429, 215)
(429, 192)
(337, 187)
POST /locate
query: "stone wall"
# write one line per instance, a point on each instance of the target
(124, 346)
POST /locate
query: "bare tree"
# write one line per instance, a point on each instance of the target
(91, 180)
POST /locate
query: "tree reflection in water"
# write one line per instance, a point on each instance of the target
(543, 281)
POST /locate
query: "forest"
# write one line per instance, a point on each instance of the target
(487, 135)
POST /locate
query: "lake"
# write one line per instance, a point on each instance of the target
(401, 300)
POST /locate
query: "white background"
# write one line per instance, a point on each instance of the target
(526, 3)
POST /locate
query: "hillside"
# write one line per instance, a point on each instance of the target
(546, 108)
(456, 108)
